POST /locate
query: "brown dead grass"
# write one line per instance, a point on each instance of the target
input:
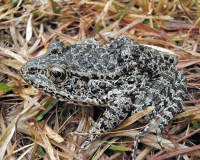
(33, 126)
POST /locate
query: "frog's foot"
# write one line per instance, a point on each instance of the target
(92, 137)
(158, 124)
(91, 133)
(155, 124)
(93, 123)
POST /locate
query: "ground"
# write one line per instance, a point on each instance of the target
(34, 125)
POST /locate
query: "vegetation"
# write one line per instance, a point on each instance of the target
(35, 126)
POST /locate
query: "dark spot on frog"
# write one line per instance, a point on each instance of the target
(102, 85)
(131, 80)
(111, 50)
(69, 88)
(119, 82)
(110, 66)
(89, 65)
(99, 67)
(107, 89)
(94, 90)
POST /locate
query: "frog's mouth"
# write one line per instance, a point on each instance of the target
(25, 74)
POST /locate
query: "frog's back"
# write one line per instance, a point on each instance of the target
(89, 59)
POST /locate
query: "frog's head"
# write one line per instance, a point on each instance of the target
(50, 72)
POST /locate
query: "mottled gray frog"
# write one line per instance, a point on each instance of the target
(123, 75)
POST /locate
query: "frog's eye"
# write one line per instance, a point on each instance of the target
(56, 48)
(58, 74)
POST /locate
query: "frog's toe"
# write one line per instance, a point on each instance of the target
(156, 124)
(137, 139)
(86, 145)
(159, 132)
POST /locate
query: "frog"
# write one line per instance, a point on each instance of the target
(123, 76)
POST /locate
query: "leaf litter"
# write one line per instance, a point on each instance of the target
(32, 126)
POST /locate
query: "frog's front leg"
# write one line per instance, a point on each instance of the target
(116, 112)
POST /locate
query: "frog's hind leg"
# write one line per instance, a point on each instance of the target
(116, 112)
(157, 124)
(154, 124)
(162, 119)
(175, 106)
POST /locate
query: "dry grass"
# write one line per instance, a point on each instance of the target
(34, 126)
